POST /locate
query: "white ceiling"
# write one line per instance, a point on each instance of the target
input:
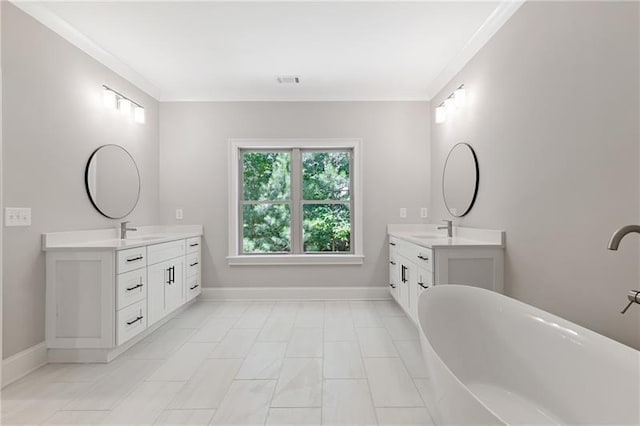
(235, 50)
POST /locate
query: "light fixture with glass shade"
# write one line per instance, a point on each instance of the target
(109, 98)
(441, 114)
(125, 106)
(114, 99)
(460, 96)
(448, 107)
(138, 114)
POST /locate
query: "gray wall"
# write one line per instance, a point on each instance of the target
(553, 117)
(193, 160)
(53, 119)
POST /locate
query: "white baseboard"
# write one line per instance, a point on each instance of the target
(294, 293)
(19, 365)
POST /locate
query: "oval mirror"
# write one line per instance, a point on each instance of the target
(112, 180)
(460, 179)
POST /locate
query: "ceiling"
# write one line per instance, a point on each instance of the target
(228, 51)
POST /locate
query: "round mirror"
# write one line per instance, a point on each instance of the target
(112, 181)
(460, 179)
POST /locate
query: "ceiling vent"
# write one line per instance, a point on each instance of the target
(288, 79)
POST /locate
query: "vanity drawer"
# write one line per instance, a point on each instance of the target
(193, 244)
(130, 321)
(193, 287)
(193, 264)
(131, 287)
(424, 258)
(160, 252)
(421, 256)
(130, 259)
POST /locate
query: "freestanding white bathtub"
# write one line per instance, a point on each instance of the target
(494, 360)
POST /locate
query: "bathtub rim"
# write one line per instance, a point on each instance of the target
(587, 333)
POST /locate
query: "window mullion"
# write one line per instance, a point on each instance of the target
(296, 205)
(240, 234)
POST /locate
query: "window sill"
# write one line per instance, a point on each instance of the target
(300, 259)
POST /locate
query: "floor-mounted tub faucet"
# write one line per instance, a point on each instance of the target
(124, 229)
(614, 243)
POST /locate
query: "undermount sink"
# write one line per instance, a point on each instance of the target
(424, 235)
(145, 237)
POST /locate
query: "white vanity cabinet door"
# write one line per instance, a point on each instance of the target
(174, 289)
(158, 278)
(165, 291)
(406, 268)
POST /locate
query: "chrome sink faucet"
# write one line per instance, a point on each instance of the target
(124, 229)
(449, 227)
(614, 243)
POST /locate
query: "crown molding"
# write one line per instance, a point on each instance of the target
(88, 46)
(494, 22)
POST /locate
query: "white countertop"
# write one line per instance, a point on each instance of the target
(107, 239)
(427, 235)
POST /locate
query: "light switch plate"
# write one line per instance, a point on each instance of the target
(424, 212)
(179, 214)
(403, 212)
(17, 216)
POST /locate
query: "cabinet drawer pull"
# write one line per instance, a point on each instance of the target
(422, 257)
(193, 264)
(392, 285)
(392, 262)
(133, 259)
(135, 320)
(134, 287)
(392, 244)
(194, 287)
(194, 244)
(422, 285)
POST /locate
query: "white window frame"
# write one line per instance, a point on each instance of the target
(235, 148)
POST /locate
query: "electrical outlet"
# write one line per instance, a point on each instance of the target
(17, 216)
(403, 212)
(424, 212)
(179, 214)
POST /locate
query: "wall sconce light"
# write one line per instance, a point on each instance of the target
(109, 98)
(114, 99)
(460, 96)
(448, 107)
(138, 114)
(441, 114)
(124, 105)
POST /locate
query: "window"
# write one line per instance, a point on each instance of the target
(295, 202)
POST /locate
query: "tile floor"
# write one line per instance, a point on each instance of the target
(244, 363)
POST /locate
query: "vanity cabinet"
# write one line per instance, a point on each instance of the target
(100, 302)
(413, 272)
(414, 268)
